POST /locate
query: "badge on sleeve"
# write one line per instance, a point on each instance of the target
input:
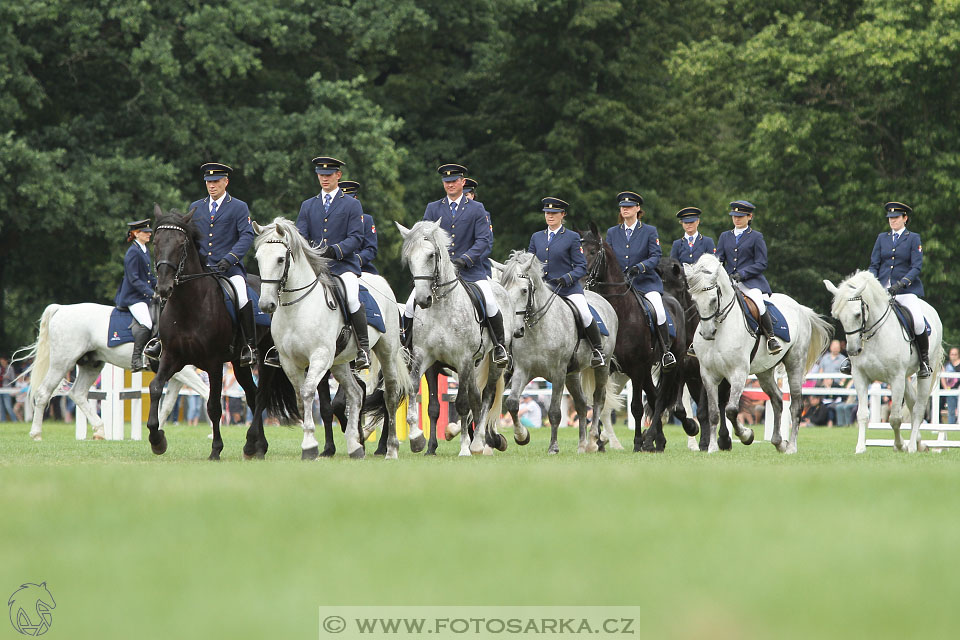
(658, 241)
(920, 248)
(373, 228)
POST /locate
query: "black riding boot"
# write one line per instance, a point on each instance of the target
(248, 353)
(153, 349)
(358, 319)
(923, 348)
(500, 357)
(846, 367)
(773, 345)
(140, 336)
(669, 361)
(593, 335)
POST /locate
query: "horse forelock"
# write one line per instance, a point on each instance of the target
(522, 265)
(174, 218)
(424, 231)
(703, 273)
(300, 249)
(873, 294)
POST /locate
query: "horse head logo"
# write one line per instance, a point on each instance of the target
(30, 609)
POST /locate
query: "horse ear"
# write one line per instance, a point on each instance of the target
(594, 229)
(257, 229)
(830, 287)
(279, 230)
(497, 265)
(677, 271)
(187, 218)
(157, 211)
(404, 232)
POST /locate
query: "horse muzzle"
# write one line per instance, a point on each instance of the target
(518, 333)
(425, 303)
(267, 307)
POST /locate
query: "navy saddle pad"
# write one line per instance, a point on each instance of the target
(370, 306)
(476, 296)
(118, 331)
(652, 316)
(259, 317)
(780, 328)
(596, 316)
(906, 318)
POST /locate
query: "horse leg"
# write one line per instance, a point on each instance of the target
(714, 417)
(433, 410)
(601, 377)
(916, 410)
(481, 436)
(251, 392)
(307, 383)
(41, 397)
(344, 375)
(553, 414)
(215, 411)
(608, 434)
(86, 376)
(795, 377)
(256, 444)
(737, 382)
(157, 438)
(896, 410)
(521, 435)
(414, 432)
(575, 387)
(462, 403)
(326, 416)
(723, 434)
(768, 382)
(391, 369)
(860, 383)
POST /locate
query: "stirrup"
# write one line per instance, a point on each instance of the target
(153, 349)
(669, 361)
(924, 371)
(774, 346)
(500, 357)
(690, 352)
(248, 356)
(845, 367)
(362, 360)
(272, 357)
(597, 360)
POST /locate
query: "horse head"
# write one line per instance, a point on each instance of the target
(174, 248)
(603, 269)
(284, 255)
(674, 281)
(522, 278)
(426, 253)
(858, 299)
(707, 283)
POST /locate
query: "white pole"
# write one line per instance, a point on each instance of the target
(631, 423)
(136, 408)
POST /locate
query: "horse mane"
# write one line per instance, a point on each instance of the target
(300, 249)
(522, 264)
(873, 292)
(704, 272)
(175, 218)
(424, 230)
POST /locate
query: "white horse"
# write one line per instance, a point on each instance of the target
(445, 330)
(881, 349)
(546, 345)
(76, 334)
(724, 345)
(297, 288)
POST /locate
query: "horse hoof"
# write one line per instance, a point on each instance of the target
(310, 454)
(749, 439)
(158, 444)
(430, 452)
(553, 450)
(328, 451)
(214, 456)
(417, 444)
(501, 443)
(381, 451)
(725, 445)
(487, 450)
(391, 455)
(452, 431)
(36, 437)
(96, 436)
(524, 441)
(358, 453)
(247, 456)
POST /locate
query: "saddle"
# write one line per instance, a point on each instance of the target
(752, 316)
(906, 318)
(370, 306)
(476, 297)
(651, 314)
(582, 330)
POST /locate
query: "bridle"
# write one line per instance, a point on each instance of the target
(868, 332)
(281, 282)
(178, 277)
(599, 267)
(437, 287)
(532, 315)
(721, 313)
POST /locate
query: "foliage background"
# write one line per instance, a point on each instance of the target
(818, 112)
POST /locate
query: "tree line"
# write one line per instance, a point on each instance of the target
(817, 112)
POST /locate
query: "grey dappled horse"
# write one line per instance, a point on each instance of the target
(546, 344)
(881, 349)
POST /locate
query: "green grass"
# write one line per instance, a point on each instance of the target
(746, 544)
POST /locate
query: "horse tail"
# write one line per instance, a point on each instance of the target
(39, 351)
(282, 400)
(821, 333)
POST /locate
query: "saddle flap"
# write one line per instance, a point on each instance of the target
(905, 316)
(476, 297)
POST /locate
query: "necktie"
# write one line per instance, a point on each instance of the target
(326, 202)
(453, 208)
(896, 237)
(550, 237)
(629, 233)
(738, 238)
(213, 210)
(690, 242)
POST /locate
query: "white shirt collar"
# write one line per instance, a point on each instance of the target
(739, 232)
(549, 230)
(219, 201)
(459, 201)
(633, 228)
(692, 238)
(143, 247)
(332, 194)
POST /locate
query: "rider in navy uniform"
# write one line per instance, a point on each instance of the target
(368, 252)
(470, 191)
(137, 288)
(334, 221)
(637, 247)
(743, 253)
(693, 244)
(901, 277)
(559, 250)
(225, 235)
(468, 224)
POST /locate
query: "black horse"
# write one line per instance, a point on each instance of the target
(636, 350)
(675, 284)
(195, 328)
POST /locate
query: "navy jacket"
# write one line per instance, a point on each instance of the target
(341, 228)
(368, 252)
(891, 268)
(748, 258)
(470, 234)
(562, 258)
(138, 280)
(229, 235)
(643, 250)
(681, 250)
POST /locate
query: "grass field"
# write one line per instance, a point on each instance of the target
(746, 544)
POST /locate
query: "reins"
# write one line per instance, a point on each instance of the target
(282, 281)
(179, 277)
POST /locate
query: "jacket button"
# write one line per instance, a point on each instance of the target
(211, 235)
(210, 244)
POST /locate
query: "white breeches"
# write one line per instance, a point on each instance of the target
(580, 302)
(911, 302)
(657, 301)
(141, 313)
(241, 286)
(757, 296)
(351, 285)
(488, 300)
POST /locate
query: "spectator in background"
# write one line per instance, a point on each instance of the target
(195, 403)
(530, 414)
(952, 365)
(830, 363)
(815, 413)
(753, 403)
(8, 377)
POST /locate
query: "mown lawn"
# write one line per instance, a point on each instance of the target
(745, 544)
